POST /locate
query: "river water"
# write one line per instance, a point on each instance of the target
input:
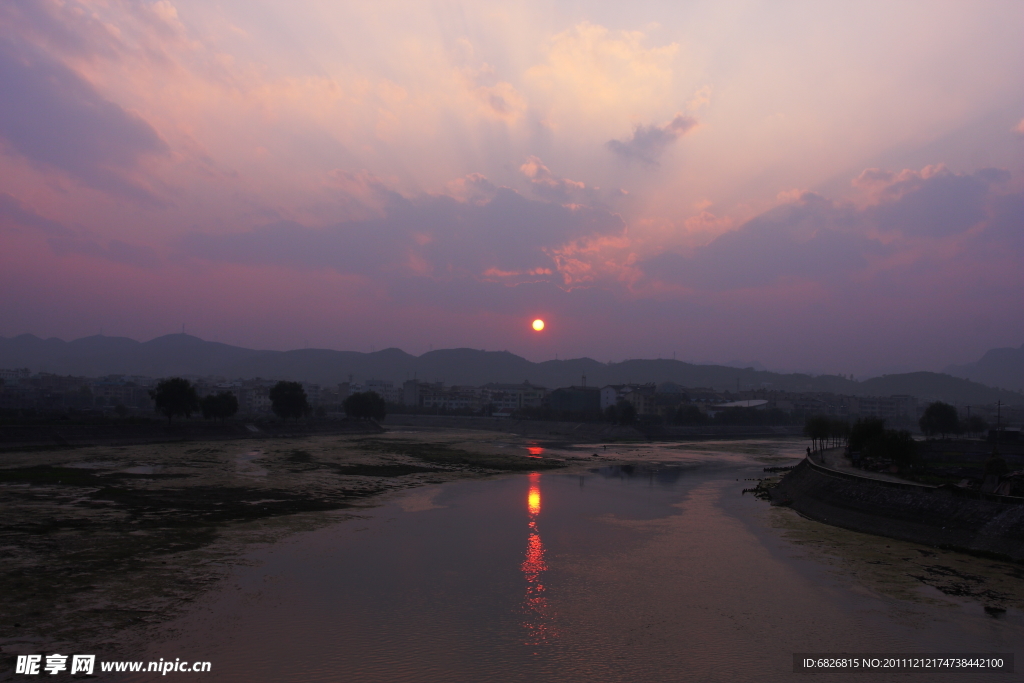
(659, 571)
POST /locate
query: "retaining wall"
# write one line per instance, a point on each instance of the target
(943, 516)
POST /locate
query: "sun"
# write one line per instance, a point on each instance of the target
(538, 324)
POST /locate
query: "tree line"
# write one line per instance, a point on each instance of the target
(177, 397)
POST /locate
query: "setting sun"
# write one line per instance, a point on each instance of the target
(538, 324)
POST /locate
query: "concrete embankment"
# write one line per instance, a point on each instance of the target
(943, 516)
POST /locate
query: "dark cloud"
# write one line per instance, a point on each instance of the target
(935, 205)
(648, 142)
(1005, 230)
(811, 239)
(63, 240)
(54, 117)
(14, 214)
(439, 234)
(817, 240)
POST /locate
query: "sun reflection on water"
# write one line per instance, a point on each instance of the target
(535, 604)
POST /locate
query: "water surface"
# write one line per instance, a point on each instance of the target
(649, 572)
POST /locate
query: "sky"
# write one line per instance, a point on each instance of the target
(826, 187)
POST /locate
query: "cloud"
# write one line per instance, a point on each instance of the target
(932, 202)
(648, 142)
(492, 229)
(13, 213)
(548, 185)
(810, 239)
(911, 229)
(63, 240)
(54, 117)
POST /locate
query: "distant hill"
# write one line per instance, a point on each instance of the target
(997, 368)
(182, 354)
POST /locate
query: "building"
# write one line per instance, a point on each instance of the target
(586, 400)
(640, 396)
(507, 398)
(885, 407)
(385, 389)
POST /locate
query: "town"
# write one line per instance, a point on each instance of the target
(40, 395)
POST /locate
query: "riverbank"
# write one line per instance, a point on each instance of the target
(938, 516)
(113, 432)
(101, 542)
(592, 431)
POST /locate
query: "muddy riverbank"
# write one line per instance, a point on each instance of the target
(98, 543)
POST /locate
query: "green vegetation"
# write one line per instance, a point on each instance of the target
(365, 405)
(825, 432)
(940, 418)
(872, 440)
(219, 406)
(622, 413)
(288, 399)
(175, 396)
(975, 424)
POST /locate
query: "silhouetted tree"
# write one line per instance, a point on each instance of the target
(838, 431)
(689, 415)
(611, 414)
(939, 418)
(365, 405)
(175, 396)
(864, 431)
(897, 446)
(219, 406)
(816, 428)
(288, 399)
(626, 412)
(975, 424)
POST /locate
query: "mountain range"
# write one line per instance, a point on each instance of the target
(182, 354)
(997, 368)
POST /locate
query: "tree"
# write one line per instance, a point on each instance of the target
(626, 412)
(864, 431)
(219, 406)
(817, 428)
(975, 424)
(288, 399)
(689, 414)
(897, 446)
(838, 431)
(175, 396)
(365, 405)
(939, 418)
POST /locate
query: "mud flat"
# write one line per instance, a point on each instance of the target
(101, 544)
(938, 516)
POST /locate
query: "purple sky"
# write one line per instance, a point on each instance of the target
(817, 187)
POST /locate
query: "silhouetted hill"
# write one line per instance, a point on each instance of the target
(182, 354)
(997, 368)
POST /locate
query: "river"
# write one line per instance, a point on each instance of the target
(657, 571)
